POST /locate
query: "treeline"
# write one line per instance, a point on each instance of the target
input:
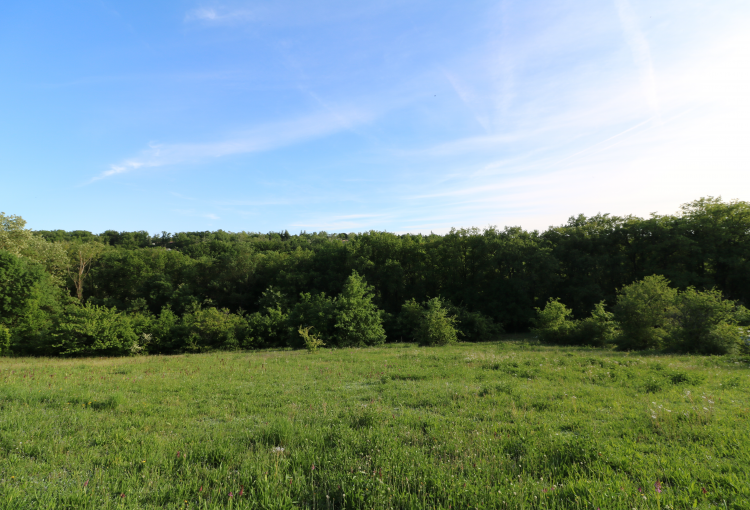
(194, 291)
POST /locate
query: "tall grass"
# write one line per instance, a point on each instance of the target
(496, 425)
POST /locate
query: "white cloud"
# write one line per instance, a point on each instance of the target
(264, 138)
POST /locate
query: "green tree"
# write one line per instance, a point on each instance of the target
(358, 321)
(81, 256)
(645, 311)
(22, 242)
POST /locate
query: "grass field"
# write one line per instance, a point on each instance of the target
(498, 425)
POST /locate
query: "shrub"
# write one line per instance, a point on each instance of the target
(211, 328)
(598, 330)
(268, 329)
(358, 320)
(554, 323)
(705, 323)
(474, 326)
(435, 326)
(645, 311)
(316, 311)
(312, 342)
(91, 330)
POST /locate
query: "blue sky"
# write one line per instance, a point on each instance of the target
(408, 116)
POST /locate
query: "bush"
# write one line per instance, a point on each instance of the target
(474, 326)
(705, 323)
(316, 311)
(598, 330)
(92, 330)
(312, 341)
(645, 310)
(554, 323)
(270, 329)
(212, 328)
(435, 326)
(358, 320)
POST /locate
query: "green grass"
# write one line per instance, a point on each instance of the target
(497, 425)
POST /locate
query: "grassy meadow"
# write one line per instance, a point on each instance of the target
(510, 424)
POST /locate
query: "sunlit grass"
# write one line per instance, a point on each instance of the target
(497, 425)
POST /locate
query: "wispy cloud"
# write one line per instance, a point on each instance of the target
(264, 138)
(641, 51)
(218, 15)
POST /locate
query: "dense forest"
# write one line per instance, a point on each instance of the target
(76, 293)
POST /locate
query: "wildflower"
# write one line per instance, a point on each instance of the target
(704, 490)
(86, 483)
(657, 486)
(242, 490)
(313, 467)
(230, 494)
(122, 495)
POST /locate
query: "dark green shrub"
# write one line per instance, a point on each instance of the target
(269, 329)
(474, 326)
(312, 310)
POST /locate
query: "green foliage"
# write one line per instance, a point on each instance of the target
(435, 326)
(645, 310)
(312, 341)
(18, 281)
(554, 323)
(210, 328)
(92, 330)
(705, 323)
(4, 340)
(315, 311)
(269, 329)
(358, 321)
(599, 330)
(474, 326)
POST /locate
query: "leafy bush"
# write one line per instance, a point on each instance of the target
(212, 328)
(435, 326)
(554, 323)
(358, 320)
(598, 330)
(474, 326)
(706, 323)
(316, 311)
(645, 310)
(92, 330)
(270, 329)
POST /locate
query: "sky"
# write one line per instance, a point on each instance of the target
(405, 116)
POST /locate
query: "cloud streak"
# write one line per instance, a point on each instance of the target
(641, 51)
(264, 138)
